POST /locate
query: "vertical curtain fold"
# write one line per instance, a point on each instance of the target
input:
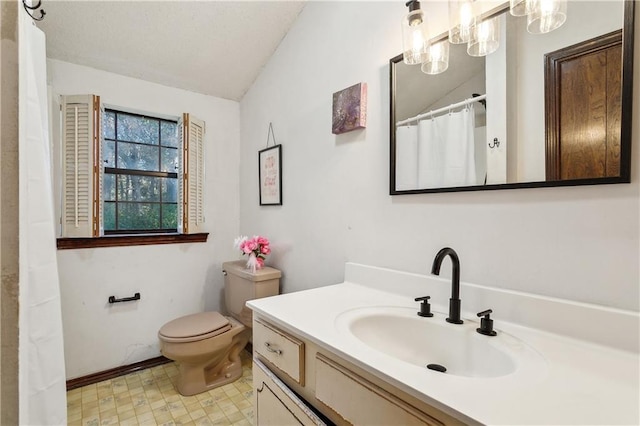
(460, 165)
(406, 158)
(431, 153)
(42, 381)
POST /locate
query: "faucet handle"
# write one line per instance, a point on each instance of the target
(486, 323)
(425, 307)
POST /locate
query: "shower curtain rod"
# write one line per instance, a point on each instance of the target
(443, 109)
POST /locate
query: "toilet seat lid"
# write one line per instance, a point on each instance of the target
(195, 325)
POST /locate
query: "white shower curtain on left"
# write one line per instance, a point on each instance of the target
(406, 158)
(446, 151)
(42, 381)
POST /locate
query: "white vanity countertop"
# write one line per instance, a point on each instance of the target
(582, 383)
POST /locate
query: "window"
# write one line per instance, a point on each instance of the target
(126, 173)
(141, 164)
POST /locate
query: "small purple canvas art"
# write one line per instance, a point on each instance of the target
(349, 109)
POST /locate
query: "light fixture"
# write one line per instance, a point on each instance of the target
(438, 58)
(465, 26)
(415, 38)
(518, 7)
(462, 19)
(485, 38)
(544, 16)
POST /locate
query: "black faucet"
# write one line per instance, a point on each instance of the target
(454, 302)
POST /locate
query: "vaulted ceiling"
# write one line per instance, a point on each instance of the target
(216, 48)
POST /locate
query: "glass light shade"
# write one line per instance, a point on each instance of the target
(415, 38)
(462, 18)
(485, 38)
(518, 7)
(438, 58)
(545, 15)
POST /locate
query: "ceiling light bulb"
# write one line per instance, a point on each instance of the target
(518, 7)
(485, 38)
(438, 58)
(545, 15)
(462, 18)
(415, 37)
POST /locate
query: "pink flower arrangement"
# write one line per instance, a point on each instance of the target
(257, 248)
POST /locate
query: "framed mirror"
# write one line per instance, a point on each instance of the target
(543, 110)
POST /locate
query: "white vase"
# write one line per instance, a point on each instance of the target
(252, 263)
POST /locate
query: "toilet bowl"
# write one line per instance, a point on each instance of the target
(206, 346)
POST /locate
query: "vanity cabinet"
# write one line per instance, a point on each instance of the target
(290, 371)
(275, 404)
(281, 349)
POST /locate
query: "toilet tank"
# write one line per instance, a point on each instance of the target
(241, 285)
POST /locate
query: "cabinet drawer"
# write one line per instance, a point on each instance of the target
(275, 404)
(361, 402)
(279, 348)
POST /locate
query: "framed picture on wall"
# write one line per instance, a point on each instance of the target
(270, 175)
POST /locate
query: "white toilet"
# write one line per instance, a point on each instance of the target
(206, 346)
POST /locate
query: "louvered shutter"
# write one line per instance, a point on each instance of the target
(80, 165)
(192, 184)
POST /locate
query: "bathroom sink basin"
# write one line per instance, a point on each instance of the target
(399, 333)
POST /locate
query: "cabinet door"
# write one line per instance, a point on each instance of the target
(583, 105)
(360, 402)
(275, 404)
(271, 411)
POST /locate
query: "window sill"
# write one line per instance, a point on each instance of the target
(130, 240)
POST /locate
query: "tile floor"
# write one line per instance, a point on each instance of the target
(148, 397)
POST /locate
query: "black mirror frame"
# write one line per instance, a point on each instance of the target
(625, 124)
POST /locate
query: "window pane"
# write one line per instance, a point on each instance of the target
(138, 188)
(169, 160)
(138, 216)
(139, 143)
(170, 190)
(109, 124)
(109, 216)
(169, 133)
(134, 128)
(137, 157)
(169, 216)
(109, 153)
(109, 187)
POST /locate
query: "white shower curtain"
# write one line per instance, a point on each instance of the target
(42, 382)
(446, 151)
(406, 158)
(431, 153)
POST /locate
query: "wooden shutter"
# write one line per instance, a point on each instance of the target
(81, 166)
(192, 184)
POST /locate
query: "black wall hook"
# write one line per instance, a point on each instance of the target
(496, 143)
(32, 9)
(112, 299)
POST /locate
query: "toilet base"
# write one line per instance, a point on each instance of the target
(195, 378)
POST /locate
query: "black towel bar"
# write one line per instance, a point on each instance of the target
(112, 299)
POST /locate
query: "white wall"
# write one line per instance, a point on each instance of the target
(497, 108)
(174, 279)
(579, 243)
